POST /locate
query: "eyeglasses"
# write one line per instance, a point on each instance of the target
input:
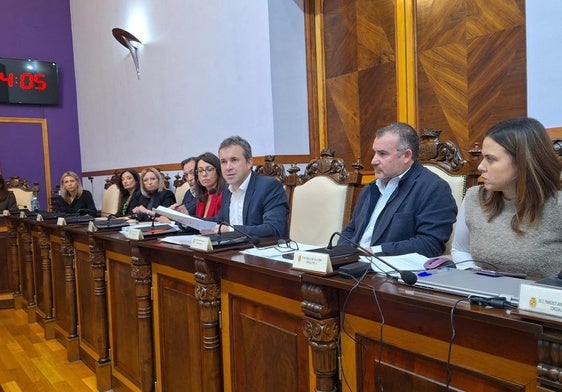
(190, 173)
(286, 246)
(207, 170)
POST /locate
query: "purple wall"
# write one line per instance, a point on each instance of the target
(40, 30)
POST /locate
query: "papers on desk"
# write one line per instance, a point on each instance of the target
(184, 219)
(142, 225)
(407, 262)
(184, 240)
(276, 252)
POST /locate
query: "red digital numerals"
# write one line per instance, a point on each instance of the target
(26, 81)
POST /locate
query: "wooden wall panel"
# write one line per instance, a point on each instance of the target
(179, 361)
(256, 326)
(360, 64)
(471, 66)
(468, 59)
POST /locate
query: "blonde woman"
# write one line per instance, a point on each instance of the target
(154, 194)
(74, 198)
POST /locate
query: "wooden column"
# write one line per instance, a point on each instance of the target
(72, 341)
(321, 327)
(549, 369)
(207, 293)
(142, 274)
(26, 263)
(47, 284)
(103, 368)
(13, 264)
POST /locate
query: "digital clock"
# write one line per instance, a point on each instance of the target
(29, 81)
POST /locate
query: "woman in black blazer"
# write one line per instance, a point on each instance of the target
(74, 198)
(129, 188)
(154, 194)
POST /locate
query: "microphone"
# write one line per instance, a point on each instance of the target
(253, 239)
(407, 276)
(109, 217)
(212, 191)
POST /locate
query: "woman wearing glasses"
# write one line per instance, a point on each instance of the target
(209, 185)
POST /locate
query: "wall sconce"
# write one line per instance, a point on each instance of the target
(131, 42)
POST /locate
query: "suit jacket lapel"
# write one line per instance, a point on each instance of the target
(248, 197)
(394, 202)
(226, 195)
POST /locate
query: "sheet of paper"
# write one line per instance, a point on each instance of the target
(184, 219)
(179, 239)
(140, 225)
(277, 252)
(407, 262)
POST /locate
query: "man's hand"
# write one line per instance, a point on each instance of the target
(179, 208)
(215, 230)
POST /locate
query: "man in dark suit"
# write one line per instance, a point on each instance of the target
(253, 203)
(189, 201)
(407, 209)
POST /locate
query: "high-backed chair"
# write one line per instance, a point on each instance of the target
(180, 192)
(22, 191)
(110, 200)
(321, 199)
(445, 160)
(275, 170)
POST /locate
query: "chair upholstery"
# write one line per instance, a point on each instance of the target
(321, 198)
(445, 160)
(456, 182)
(110, 200)
(317, 210)
(22, 191)
(180, 192)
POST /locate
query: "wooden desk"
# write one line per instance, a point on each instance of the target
(229, 321)
(493, 350)
(7, 283)
(129, 311)
(263, 345)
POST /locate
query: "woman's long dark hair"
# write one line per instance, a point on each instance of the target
(538, 170)
(136, 176)
(213, 160)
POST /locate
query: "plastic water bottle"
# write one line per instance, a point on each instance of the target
(34, 203)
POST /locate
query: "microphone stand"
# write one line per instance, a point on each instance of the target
(407, 276)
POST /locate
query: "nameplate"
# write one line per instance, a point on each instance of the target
(39, 218)
(312, 262)
(134, 234)
(91, 226)
(6, 213)
(201, 242)
(22, 215)
(60, 221)
(541, 299)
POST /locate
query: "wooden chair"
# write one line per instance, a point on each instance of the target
(181, 191)
(275, 170)
(445, 160)
(22, 191)
(110, 200)
(321, 199)
(111, 195)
